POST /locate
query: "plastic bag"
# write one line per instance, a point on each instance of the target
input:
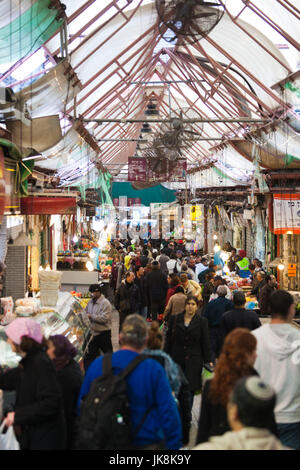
(8, 441)
(207, 373)
(8, 307)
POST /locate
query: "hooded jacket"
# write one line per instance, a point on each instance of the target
(245, 439)
(278, 364)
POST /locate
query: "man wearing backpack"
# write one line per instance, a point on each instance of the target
(153, 418)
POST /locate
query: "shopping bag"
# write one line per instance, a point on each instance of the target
(207, 373)
(8, 441)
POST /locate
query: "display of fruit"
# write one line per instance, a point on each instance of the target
(76, 294)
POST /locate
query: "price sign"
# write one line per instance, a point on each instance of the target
(292, 269)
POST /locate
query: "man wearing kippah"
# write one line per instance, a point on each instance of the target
(153, 410)
(249, 413)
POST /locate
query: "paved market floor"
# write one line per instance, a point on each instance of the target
(197, 400)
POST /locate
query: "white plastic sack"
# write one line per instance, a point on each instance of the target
(49, 287)
(7, 356)
(8, 441)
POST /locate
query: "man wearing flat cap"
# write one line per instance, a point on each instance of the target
(98, 311)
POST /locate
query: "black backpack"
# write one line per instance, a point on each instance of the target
(104, 422)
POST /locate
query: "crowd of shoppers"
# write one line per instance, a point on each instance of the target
(177, 315)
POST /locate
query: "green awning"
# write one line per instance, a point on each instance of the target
(28, 32)
(149, 195)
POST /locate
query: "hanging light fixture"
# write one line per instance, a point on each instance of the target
(280, 266)
(146, 128)
(151, 109)
(89, 265)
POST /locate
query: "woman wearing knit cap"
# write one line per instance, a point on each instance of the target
(70, 378)
(38, 416)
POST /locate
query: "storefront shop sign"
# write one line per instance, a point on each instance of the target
(48, 205)
(292, 270)
(139, 171)
(286, 211)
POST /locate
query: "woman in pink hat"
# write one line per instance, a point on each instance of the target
(38, 416)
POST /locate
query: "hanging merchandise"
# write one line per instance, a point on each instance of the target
(286, 212)
(23, 169)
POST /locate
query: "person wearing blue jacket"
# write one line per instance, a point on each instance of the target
(148, 390)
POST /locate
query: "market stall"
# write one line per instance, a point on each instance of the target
(84, 264)
(66, 318)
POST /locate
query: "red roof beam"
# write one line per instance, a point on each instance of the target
(215, 65)
(296, 12)
(212, 96)
(244, 70)
(105, 41)
(234, 20)
(76, 14)
(107, 93)
(271, 23)
(111, 63)
(208, 104)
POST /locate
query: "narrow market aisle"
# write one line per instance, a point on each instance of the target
(197, 400)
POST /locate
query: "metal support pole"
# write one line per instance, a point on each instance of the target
(144, 141)
(130, 121)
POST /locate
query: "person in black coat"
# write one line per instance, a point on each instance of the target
(236, 360)
(127, 299)
(259, 283)
(208, 288)
(145, 258)
(140, 282)
(156, 287)
(38, 417)
(238, 317)
(187, 342)
(213, 312)
(265, 294)
(70, 378)
(178, 382)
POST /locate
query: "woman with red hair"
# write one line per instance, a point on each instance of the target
(236, 361)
